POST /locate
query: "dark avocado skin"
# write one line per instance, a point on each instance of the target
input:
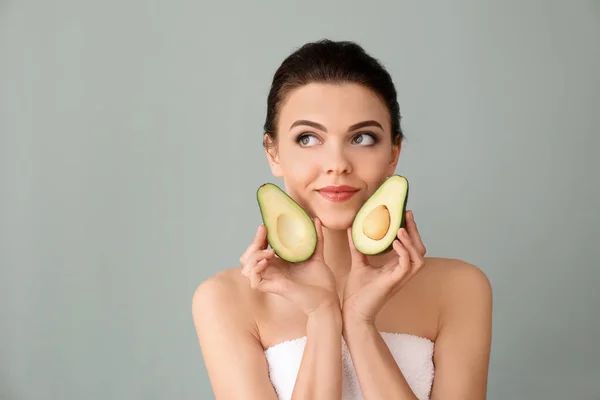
(402, 221)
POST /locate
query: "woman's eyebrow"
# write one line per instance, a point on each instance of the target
(309, 123)
(365, 124)
(316, 125)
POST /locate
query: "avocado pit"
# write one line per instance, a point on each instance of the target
(377, 223)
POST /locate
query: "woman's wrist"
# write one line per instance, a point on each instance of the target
(327, 312)
(353, 322)
(352, 315)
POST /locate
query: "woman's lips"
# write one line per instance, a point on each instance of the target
(337, 196)
(337, 193)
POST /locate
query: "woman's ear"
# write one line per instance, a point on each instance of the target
(270, 146)
(396, 149)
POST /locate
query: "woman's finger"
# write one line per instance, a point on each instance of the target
(254, 258)
(403, 266)
(411, 227)
(260, 279)
(258, 243)
(358, 258)
(255, 274)
(415, 256)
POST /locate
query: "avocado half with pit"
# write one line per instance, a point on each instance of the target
(290, 230)
(376, 224)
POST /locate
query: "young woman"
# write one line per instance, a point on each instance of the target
(342, 325)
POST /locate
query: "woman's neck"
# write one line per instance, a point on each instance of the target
(336, 251)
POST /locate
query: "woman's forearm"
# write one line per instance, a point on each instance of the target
(320, 374)
(378, 374)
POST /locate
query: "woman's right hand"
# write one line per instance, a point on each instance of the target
(310, 284)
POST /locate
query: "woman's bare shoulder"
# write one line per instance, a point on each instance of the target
(463, 291)
(226, 291)
(456, 275)
(227, 299)
(453, 273)
(224, 280)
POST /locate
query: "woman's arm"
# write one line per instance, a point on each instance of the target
(376, 368)
(234, 357)
(320, 374)
(461, 352)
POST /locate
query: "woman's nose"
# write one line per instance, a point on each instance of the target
(336, 161)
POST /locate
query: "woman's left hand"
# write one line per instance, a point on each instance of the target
(368, 288)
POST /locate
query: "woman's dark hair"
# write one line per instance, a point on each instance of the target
(327, 61)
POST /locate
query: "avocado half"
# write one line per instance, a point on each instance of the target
(290, 230)
(376, 224)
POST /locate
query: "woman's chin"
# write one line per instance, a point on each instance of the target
(336, 224)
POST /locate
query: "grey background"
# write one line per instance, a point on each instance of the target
(130, 152)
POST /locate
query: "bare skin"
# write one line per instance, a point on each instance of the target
(240, 312)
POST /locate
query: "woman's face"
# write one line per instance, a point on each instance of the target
(333, 136)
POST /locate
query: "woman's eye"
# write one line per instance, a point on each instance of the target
(306, 140)
(364, 139)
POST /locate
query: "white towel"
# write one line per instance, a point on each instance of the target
(413, 354)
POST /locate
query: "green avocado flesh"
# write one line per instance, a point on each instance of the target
(290, 230)
(377, 222)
